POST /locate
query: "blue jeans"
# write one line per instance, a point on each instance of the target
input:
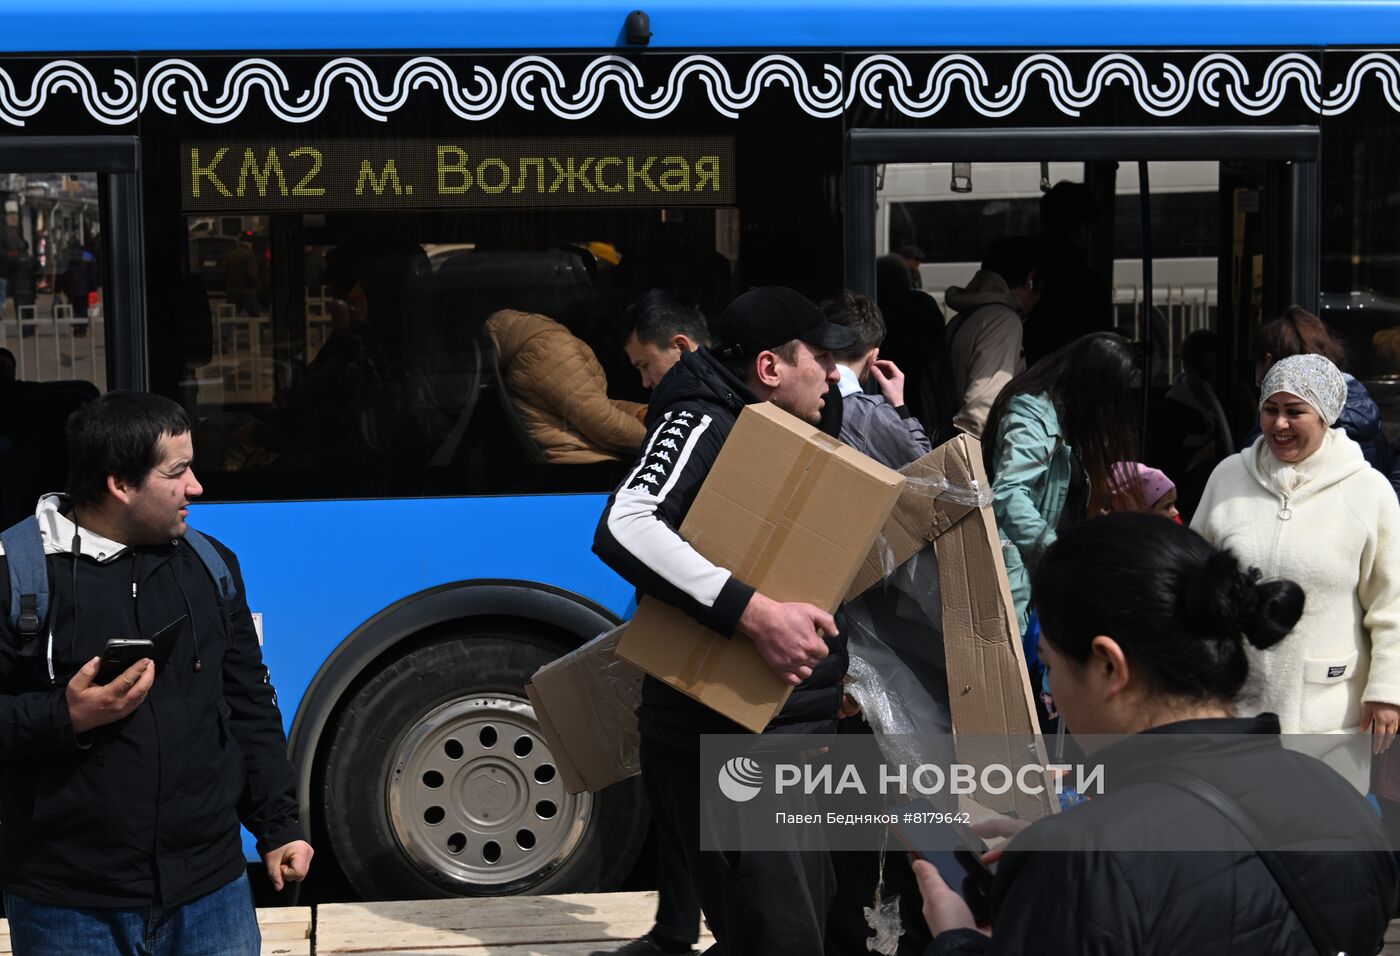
(221, 923)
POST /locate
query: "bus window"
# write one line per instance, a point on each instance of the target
(1360, 300)
(51, 277)
(53, 347)
(430, 353)
(1213, 275)
(951, 229)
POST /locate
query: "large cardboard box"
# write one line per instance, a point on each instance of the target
(944, 502)
(792, 512)
(586, 704)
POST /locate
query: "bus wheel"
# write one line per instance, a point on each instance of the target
(439, 783)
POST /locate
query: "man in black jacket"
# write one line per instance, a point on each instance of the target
(774, 346)
(120, 802)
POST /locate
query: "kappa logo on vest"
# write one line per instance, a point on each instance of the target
(656, 467)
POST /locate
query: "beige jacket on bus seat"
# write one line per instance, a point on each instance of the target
(984, 346)
(561, 392)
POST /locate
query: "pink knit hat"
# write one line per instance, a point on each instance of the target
(1154, 484)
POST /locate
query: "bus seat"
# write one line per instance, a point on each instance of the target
(447, 450)
(534, 454)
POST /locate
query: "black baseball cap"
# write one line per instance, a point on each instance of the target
(772, 315)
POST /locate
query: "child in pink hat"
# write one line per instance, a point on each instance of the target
(1158, 491)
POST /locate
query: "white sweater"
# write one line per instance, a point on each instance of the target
(1331, 524)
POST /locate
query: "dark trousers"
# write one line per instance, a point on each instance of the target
(677, 906)
(769, 903)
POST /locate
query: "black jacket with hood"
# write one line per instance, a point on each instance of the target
(144, 811)
(692, 410)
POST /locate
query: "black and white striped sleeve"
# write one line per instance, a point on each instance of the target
(638, 535)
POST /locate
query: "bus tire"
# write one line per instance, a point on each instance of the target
(438, 783)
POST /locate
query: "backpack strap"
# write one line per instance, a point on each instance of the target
(1230, 809)
(213, 563)
(29, 578)
(956, 325)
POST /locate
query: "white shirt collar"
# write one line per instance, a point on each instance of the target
(849, 384)
(58, 530)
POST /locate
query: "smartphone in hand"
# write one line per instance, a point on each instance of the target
(951, 847)
(119, 654)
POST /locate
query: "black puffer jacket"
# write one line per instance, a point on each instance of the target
(1361, 419)
(144, 811)
(1087, 898)
(692, 410)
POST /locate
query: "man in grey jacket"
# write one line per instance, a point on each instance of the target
(880, 426)
(985, 337)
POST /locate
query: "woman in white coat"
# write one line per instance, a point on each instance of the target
(1301, 503)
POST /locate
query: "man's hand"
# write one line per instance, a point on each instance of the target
(1382, 720)
(288, 864)
(943, 909)
(788, 636)
(94, 705)
(890, 379)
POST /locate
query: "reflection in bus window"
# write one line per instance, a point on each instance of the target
(51, 277)
(53, 348)
(1360, 300)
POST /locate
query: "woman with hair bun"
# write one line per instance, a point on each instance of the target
(1145, 628)
(1302, 503)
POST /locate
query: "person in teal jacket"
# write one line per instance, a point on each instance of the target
(1053, 435)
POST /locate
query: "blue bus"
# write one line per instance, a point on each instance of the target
(334, 232)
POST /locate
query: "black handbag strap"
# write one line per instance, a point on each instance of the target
(1230, 809)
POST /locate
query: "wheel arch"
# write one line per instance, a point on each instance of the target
(355, 657)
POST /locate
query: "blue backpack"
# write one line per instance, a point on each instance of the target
(29, 575)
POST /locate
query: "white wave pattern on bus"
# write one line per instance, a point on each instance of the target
(530, 82)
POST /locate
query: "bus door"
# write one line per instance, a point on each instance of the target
(1182, 240)
(70, 298)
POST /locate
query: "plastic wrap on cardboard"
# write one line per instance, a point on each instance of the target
(973, 495)
(897, 670)
(616, 714)
(586, 703)
(620, 711)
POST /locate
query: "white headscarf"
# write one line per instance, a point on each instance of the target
(1312, 378)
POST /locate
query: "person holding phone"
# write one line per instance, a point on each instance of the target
(121, 799)
(1144, 627)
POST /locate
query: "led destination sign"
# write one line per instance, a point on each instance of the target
(312, 176)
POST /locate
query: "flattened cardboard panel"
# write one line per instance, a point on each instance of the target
(988, 688)
(561, 748)
(585, 703)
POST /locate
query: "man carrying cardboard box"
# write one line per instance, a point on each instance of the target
(774, 346)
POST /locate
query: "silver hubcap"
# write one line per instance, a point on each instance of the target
(474, 795)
